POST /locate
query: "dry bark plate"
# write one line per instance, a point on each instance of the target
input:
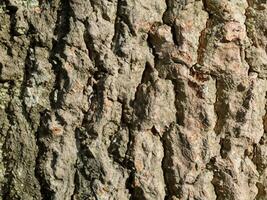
(133, 99)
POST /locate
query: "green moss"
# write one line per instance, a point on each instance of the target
(30, 3)
(250, 27)
(2, 172)
(4, 97)
(2, 8)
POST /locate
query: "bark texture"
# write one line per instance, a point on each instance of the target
(133, 99)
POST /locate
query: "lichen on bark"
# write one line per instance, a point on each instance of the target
(132, 99)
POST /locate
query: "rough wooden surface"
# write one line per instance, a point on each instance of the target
(133, 99)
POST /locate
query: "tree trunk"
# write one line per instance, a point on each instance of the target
(133, 99)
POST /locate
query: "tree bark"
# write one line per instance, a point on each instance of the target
(133, 99)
